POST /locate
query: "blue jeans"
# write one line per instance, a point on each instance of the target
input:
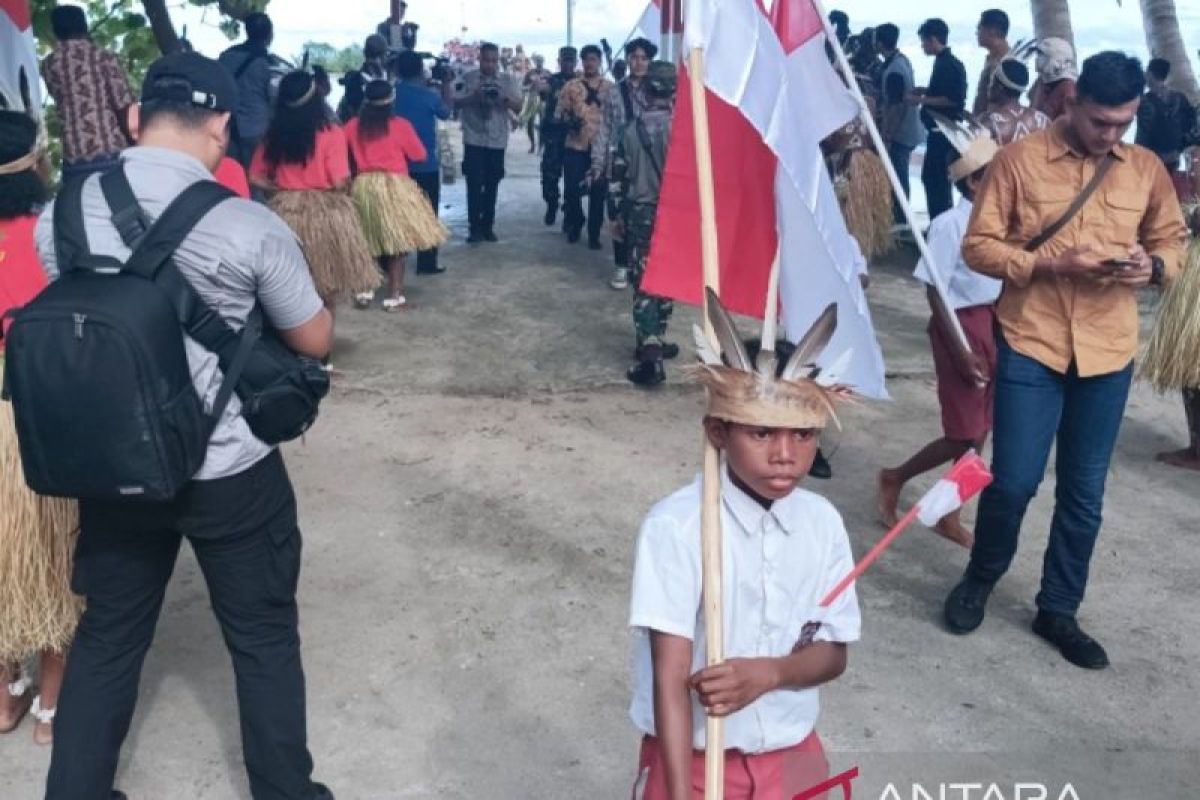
(1034, 404)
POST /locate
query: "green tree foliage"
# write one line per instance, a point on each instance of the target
(336, 61)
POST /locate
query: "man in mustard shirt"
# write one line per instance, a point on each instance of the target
(1068, 328)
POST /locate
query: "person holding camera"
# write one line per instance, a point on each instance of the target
(581, 111)
(238, 510)
(488, 95)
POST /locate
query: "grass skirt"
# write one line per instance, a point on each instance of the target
(1173, 355)
(865, 194)
(37, 539)
(329, 231)
(396, 215)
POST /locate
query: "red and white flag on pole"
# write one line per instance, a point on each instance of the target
(968, 477)
(663, 19)
(772, 97)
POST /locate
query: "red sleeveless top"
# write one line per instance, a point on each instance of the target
(21, 273)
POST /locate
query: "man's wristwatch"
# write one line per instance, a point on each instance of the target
(1157, 271)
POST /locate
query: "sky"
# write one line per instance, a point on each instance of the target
(540, 25)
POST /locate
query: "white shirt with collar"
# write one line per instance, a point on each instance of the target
(966, 287)
(777, 566)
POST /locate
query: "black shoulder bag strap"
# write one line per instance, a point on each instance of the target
(1076, 205)
(626, 99)
(644, 138)
(154, 248)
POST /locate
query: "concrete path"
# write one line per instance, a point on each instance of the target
(470, 498)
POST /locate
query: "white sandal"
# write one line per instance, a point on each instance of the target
(363, 300)
(395, 303)
(43, 732)
(18, 688)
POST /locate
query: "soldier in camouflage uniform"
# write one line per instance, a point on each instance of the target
(637, 169)
(554, 133)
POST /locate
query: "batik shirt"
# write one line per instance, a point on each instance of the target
(90, 92)
(584, 101)
(1014, 123)
(626, 102)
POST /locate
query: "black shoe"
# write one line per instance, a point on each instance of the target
(430, 270)
(821, 468)
(551, 214)
(1076, 646)
(572, 236)
(594, 244)
(475, 238)
(116, 795)
(647, 373)
(966, 606)
(490, 236)
(669, 350)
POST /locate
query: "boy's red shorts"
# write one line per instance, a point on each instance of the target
(777, 775)
(966, 408)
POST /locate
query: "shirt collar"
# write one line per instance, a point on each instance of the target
(1058, 147)
(747, 512)
(162, 158)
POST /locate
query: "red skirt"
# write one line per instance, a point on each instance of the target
(777, 775)
(966, 407)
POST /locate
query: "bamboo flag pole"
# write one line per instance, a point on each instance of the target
(710, 516)
(865, 114)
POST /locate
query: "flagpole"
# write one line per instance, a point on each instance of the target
(710, 516)
(946, 312)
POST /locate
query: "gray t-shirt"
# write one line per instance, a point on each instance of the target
(239, 254)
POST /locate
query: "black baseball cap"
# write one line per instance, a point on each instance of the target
(190, 79)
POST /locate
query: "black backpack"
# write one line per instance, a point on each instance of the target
(95, 365)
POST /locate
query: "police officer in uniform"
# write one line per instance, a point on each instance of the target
(554, 134)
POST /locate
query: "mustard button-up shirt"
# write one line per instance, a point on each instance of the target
(1030, 184)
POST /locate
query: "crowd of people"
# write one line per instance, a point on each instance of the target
(326, 204)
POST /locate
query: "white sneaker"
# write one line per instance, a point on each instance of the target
(363, 300)
(620, 278)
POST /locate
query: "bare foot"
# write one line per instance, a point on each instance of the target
(43, 733)
(13, 711)
(950, 528)
(1186, 458)
(888, 498)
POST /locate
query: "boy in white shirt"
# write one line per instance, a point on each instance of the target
(966, 403)
(783, 548)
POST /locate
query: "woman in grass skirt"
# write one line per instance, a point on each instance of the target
(395, 213)
(303, 161)
(1172, 361)
(38, 612)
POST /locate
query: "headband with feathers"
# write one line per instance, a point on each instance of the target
(748, 392)
(975, 146)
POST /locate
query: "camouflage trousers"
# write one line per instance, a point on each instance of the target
(650, 313)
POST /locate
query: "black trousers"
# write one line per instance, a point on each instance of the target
(244, 532)
(431, 184)
(553, 146)
(939, 194)
(483, 167)
(575, 169)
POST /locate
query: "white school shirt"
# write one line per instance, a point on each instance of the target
(777, 566)
(966, 287)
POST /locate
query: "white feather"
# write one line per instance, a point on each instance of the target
(704, 348)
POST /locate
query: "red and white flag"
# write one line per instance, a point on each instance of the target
(663, 20)
(20, 81)
(772, 97)
(967, 478)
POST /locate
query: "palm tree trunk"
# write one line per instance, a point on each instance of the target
(165, 35)
(1052, 18)
(1164, 40)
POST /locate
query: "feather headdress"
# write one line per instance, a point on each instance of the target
(740, 390)
(1020, 53)
(975, 146)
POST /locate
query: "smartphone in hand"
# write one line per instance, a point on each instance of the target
(1118, 264)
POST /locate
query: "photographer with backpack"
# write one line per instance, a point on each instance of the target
(178, 454)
